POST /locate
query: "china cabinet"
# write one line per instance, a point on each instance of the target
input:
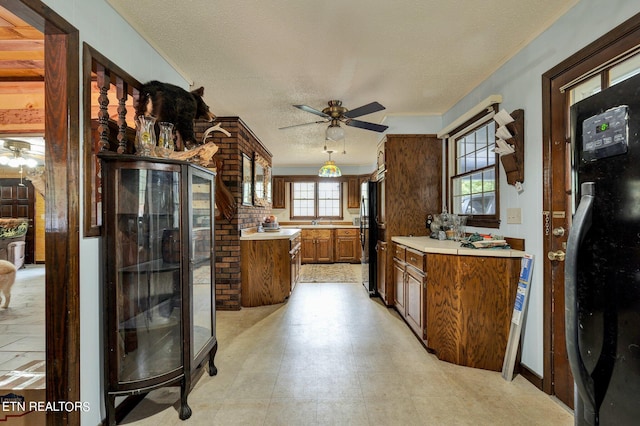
(158, 286)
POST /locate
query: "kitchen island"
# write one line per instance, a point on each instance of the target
(457, 300)
(269, 265)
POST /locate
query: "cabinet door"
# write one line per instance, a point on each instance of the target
(308, 249)
(381, 203)
(382, 270)
(414, 300)
(399, 283)
(353, 192)
(347, 245)
(324, 248)
(201, 263)
(279, 192)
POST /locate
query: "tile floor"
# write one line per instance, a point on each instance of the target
(333, 356)
(22, 325)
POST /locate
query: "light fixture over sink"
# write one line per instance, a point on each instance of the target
(329, 168)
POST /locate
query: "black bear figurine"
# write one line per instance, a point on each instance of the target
(167, 102)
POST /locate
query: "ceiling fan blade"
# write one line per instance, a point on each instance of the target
(312, 111)
(303, 124)
(366, 125)
(364, 110)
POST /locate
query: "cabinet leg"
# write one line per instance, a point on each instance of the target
(185, 410)
(213, 370)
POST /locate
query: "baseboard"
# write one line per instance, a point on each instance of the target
(531, 376)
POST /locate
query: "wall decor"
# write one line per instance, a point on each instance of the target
(247, 180)
(261, 181)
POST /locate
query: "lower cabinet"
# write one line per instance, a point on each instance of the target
(409, 284)
(469, 307)
(317, 246)
(270, 269)
(347, 245)
(296, 260)
(381, 258)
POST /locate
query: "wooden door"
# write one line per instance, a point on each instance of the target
(398, 275)
(381, 253)
(324, 246)
(557, 196)
(307, 247)
(17, 200)
(414, 306)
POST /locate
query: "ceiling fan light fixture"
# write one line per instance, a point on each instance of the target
(329, 168)
(335, 132)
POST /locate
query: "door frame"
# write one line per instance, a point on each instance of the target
(556, 151)
(62, 195)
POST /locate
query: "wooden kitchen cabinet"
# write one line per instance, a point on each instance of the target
(353, 192)
(270, 269)
(409, 287)
(317, 246)
(347, 245)
(278, 185)
(469, 307)
(409, 188)
(381, 258)
(399, 284)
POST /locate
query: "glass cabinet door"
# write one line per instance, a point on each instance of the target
(148, 260)
(202, 261)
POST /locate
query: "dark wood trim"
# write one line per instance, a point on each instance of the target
(531, 376)
(62, 214)
(617, 41)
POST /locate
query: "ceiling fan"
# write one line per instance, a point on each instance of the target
(336, 113)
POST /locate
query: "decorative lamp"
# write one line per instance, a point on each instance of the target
(329, 168)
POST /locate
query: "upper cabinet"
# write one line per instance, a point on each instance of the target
(353, 192)
(279, 192)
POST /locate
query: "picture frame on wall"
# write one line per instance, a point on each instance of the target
(247, 180)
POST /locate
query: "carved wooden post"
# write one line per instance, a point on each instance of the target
(103, 81)
(121, 90)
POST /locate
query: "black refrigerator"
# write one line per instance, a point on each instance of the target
(602, 270)
(368, 235)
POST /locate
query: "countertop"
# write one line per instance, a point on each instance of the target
(430, 245)
(282, 234)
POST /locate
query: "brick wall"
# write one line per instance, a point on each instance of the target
(227, 233)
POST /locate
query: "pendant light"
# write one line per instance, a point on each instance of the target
(329, 168)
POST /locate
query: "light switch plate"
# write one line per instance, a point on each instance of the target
(514, 215)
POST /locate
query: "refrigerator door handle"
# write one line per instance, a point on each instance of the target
(581, 225)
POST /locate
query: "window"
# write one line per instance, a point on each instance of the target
(316, 199)
(473, 183)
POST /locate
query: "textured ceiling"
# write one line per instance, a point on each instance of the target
(258, 58)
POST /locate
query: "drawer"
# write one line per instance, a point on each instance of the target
(415, 258)
(349, 232)
(399, 252)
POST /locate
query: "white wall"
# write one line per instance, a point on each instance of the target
(102, 28)
(519, 83)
